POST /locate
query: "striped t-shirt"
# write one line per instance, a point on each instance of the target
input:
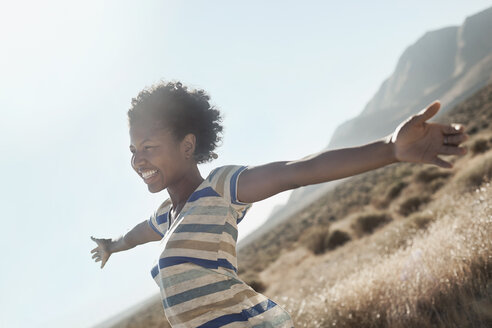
(197, 267)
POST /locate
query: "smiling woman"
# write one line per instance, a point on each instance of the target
(172, 130)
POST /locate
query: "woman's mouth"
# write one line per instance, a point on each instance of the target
(149, 175)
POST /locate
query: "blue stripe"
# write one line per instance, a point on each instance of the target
(226, 264)
(199, 292)
(184, 276)
(210, 264)
(155, 271)
(220, 210)
(224, 320)
(230, 230)
(153, 227)
(233, 186)
(205, 192)
(243, 214)
(175, 260)
(259, 308)
(161, 218)
(244, 315)
(198, 227)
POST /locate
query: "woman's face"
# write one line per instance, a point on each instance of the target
(158, 158)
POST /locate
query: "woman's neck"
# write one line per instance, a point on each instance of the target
(181, 191)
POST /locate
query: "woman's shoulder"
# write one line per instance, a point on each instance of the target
(225, 171)
(223, 180)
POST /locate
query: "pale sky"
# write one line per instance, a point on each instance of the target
(285, 74)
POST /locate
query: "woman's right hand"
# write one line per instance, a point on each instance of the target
(102, 251)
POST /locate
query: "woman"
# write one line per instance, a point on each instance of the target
(172, 129)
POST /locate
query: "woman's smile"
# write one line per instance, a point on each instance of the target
(148, 175)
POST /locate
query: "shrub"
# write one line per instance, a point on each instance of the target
(413, 204)
(395, 190)
(315, 239)
(431, 173)
(253, 280)
(437, 184)
(392, 192)
(477, 172)
(472, 130)
(337, 238)
(480, 145)
(419, 221)
(367, 223)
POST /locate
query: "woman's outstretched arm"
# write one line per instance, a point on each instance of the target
(414, 140)
(140, 234)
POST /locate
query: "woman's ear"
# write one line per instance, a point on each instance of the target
(188, 145)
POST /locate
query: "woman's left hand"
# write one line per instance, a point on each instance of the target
(417, 141)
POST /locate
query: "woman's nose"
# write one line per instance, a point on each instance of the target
(137, 160)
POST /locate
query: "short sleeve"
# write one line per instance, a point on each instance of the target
(224, 181)
(158, 220)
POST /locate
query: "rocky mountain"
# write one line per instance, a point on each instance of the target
(448, 64)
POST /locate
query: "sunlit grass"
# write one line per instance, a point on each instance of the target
(439, 277)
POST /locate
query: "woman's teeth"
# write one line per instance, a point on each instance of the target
(148, 174)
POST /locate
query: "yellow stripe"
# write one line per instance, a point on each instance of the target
(193, 244)
(221, 181)
(228, 248)
(192, 314)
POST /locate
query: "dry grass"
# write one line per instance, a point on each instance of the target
(152, 317)
(413, 204)
(319, 240)
(253, 280)
(315, 239)
(366, 223)
(346, 199)
(477, 171)
(481, 145)
(428, 174)
(336, 239)
(393, 192)
(440, 277)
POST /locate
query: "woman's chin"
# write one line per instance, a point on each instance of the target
(154, 189)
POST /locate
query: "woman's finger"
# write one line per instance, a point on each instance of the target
(452, 128)
(452, 150)
(95, 255)
(439, 162)
(95, 249)
(455, 139)
(427, 112)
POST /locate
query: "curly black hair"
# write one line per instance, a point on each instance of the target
(172, 106)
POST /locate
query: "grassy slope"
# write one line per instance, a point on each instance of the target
(428, 264)
(429, 268)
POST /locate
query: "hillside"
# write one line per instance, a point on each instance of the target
(449, 64)
(402, 246)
